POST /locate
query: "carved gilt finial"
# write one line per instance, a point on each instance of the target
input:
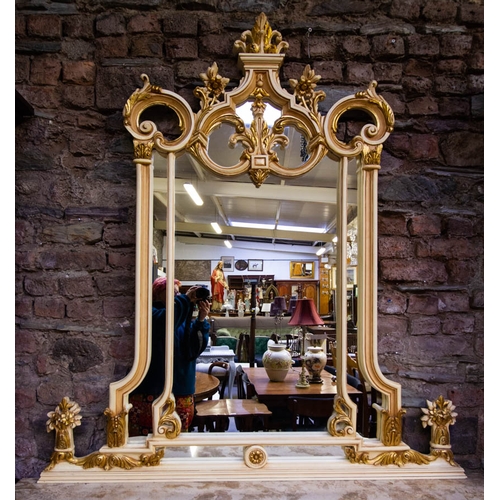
(260, 39)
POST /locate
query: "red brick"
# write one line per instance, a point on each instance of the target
(119, 236)
(183, 23)
(110, 24)
(79, 26)
(46, 26)
(24, 307)
(77, 285)
(451, 67)
(405, 9)
(387, 45)
(440, 10)
(45, 70)
(461, 271)
(212, 45)
(22, 68)
(320, 47)
(181, 48)
(423, 304)
(445, 84)
(476, 61)
(26, 342)
(423, 106)
(79, 72)
(392, 225)
(425, 225)
(420, 270)
(456, 45)
(454, 302)
(419, 68)
(118, 307)
(146, 46)
(355, 46)
(122, 348)
(41, 285)
(84, 309)
(328, 70)
(471, 13)
(423, 45)
(394, 247)
(424, 146)
(391, 302)
(124, 260)
(76, 96)
(112, 47)
(425, 325)
(144, 23)
(49, 307)
(455, 324)
(459, 226)
(417, 85)
(43, 97)
(359, 73)
(450, 248)
(388, 72)
(454, 106)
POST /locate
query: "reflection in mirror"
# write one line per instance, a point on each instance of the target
(281, 225)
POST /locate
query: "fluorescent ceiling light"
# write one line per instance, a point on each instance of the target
(335, 239)
(301, 229)
(321, 251)
(228, 244)
(271, 114)
(252, 225)
(216, 227)
(193, 193)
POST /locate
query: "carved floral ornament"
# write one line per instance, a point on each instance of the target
(261, 52)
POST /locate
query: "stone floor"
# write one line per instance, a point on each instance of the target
(471, 488)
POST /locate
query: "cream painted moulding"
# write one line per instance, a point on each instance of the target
(339, 453)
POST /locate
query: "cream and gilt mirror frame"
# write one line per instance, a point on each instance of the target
(338, 452)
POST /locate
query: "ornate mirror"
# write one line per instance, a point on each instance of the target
(296, 150)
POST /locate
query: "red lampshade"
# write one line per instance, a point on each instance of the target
(305, 314)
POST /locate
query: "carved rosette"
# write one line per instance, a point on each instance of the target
(255, 457)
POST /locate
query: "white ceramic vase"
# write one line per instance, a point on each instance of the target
(277, 361)
(315, 361)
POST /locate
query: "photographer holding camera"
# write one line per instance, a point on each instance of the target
(190, 340)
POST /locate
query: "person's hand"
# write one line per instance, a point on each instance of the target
(191, 293)
(203, 309)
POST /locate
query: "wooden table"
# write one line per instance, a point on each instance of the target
(219, 353)
(206, 386)
(275, 394)
(269, 391)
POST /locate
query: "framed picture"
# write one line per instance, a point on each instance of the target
(255, 265)
(302, 270)
(227, 263)
(352, 276)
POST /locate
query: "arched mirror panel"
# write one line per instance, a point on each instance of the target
(262, 155)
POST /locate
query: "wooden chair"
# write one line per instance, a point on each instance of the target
(242, 348)
(214, 415)
(246, 390)
(308, 412)
(220, 369)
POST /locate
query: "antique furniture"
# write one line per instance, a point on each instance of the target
(206, 386)
(218, 353)
(259, 164)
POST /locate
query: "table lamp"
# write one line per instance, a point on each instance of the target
(304, 315)
(278, 307)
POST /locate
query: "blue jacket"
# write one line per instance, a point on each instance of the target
(187, 347)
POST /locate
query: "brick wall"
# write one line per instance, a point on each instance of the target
(78, 62)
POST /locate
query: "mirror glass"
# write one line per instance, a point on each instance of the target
(270, 232)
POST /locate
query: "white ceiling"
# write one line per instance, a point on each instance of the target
(309, 200)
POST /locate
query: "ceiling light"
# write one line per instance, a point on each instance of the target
(321, 251)
(216, 227)
(193, 193)
(228, 244)
(252, 225)
(300, 229)
(335, 239)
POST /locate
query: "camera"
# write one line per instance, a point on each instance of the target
(203, 293)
